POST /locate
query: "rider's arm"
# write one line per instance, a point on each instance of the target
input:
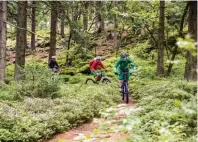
(116, 66)
(56, 64)
(132, 64)
(102, 65)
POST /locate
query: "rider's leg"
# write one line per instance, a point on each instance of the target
(97, 78)
(95, 75)
(120, 85)
(53, 69)
(128, 76)
(120, 76)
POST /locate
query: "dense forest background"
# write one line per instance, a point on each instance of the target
(159, 36)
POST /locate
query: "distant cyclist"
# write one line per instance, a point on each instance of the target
(53, 65)
(95, 65)
(122, 65)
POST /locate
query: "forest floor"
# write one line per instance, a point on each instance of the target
(100, 129)
(103, 48)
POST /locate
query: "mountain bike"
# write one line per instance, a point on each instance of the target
(101, 78)
(125, 89)
(55, 74)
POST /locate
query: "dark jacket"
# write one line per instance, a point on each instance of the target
(53, 64)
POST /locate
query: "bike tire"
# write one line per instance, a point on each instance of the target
(89, 80)
(106, 80)
(126, 93)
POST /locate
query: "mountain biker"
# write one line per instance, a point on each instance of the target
(122, 66)
(95, 65)
(53, 65)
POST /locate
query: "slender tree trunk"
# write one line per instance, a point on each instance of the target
(191, 64)
(53, 28)
(75, 11)
(3, 17)
(96, 20)
(180, 34)
(68, 47)
(115, 30)
(21, 40)
(160, 61)
(33, 48)
(100, 20)
(63, 24)
(85, 15)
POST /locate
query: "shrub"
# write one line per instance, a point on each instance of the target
(38, 118)
(169, 110)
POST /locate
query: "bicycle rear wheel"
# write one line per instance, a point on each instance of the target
(106, 80)
(90, 81)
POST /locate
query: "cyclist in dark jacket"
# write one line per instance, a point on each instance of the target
(53, 65)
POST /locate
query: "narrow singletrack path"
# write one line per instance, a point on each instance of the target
(100, 129)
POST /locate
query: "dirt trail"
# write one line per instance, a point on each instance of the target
(99, 129)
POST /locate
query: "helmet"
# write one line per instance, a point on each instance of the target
(123, 55)
(53, 57)
(98, 58)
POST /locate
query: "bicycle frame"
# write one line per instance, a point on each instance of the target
(102, 78)
(100, 74)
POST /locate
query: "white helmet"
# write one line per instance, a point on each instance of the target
(53, 57)
(98, 58)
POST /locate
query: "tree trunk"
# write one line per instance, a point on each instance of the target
(191, 64)
(53, 28)
(68, 47)
(3, 17)
(180, 35)
(75, 11)
(115, 30)
(100, 20)
(63, 24)
(33, 48)
(85, 16)
(160, 61)
(21, 40)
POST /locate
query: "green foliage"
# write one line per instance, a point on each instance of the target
(36, 118)
(188, 44)
(169, 111)
(42, 105)
(140, 50)
(39, 82)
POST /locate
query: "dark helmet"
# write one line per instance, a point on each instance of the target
(123, 55)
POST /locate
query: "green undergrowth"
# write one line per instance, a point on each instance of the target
(168, 111)
(44, 103)
(168, 105)
(34, 118)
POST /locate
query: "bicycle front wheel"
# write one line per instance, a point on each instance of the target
(106, 80)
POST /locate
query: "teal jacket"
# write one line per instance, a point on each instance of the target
(123, 65)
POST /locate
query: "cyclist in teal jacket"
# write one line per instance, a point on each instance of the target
(122, 65)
